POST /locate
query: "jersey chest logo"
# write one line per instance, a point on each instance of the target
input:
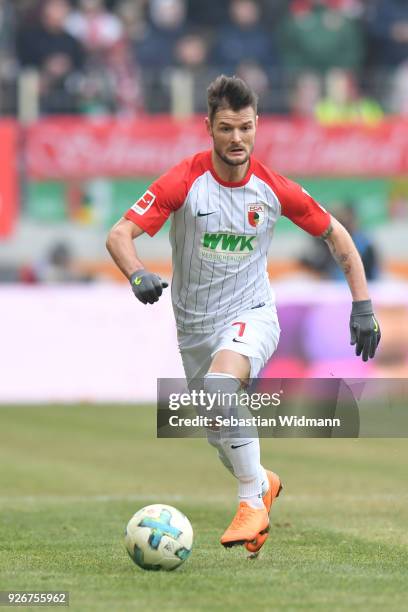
(226, 247)
(256, 214)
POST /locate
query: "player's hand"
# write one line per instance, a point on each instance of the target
(364, 329)
(147, 286)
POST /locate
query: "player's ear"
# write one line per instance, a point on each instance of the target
(256, 121)
(208, 126)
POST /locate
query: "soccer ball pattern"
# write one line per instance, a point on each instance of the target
(159, 537)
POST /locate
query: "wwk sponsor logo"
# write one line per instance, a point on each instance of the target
(226, 247)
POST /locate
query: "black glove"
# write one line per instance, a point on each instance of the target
(364, 329)
(147, 286)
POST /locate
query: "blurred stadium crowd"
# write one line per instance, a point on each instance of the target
(333, 59)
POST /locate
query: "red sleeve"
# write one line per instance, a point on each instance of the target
(296, 203)
(299, 206)
(167, 194)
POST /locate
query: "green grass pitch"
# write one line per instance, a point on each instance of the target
(71, 477)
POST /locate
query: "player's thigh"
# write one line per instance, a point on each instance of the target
(196, 354)
(253, 334)
(230, 362)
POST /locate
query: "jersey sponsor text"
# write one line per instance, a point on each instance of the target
(226, 247)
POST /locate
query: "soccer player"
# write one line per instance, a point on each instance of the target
(224, 205)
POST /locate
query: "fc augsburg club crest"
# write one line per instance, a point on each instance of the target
(256, 214)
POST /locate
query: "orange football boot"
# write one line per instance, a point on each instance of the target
(275, 487)
(246, 525)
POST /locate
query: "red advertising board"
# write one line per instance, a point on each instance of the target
(69, 147)
(8, 177)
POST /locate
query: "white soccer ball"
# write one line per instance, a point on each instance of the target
(159, 537)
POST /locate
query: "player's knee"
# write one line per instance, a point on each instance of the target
(230, 363)
(221, 382)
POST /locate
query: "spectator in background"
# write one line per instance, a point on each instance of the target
(27, 11)
(387, 26)
(306, 95)
(191, 51)
(125, 80)
(56, 54)
(351, 8)
(8, 68)
(201, 14)
(39, 43)
(6, 27)
(115, 88)
(273, 12)
(315, 36)
(191, 54)
(244, 39)
(132, 15)
(111, 83)
(343, 102)
(58, 266)
(96, 28)
(96, 96)
(398, 102)
(156, 52)
(167, 26)
(320, 259)
(254, 76)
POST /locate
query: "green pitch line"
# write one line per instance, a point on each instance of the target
(71, 477)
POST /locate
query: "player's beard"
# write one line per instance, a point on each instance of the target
(233, 162)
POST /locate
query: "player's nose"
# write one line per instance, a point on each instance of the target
(236, 136)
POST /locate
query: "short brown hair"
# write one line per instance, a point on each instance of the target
(229, 92)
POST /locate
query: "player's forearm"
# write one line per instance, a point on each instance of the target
(122, 250)
(347, 257)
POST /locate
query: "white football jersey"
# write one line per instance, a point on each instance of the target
(220, 235)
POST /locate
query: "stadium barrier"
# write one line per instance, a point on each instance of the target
(8, 177)
(73, 148)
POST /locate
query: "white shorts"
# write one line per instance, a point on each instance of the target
(254, 333)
